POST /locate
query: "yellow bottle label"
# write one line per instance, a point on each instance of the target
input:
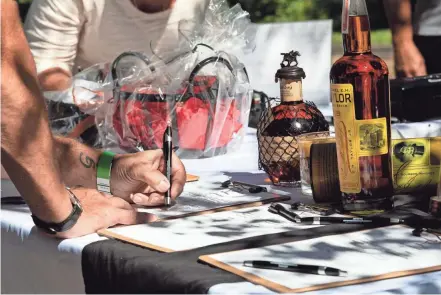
(372, 137)
(355, 138)
(416, 164)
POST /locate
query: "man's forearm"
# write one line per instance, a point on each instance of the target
(27, 143)
(78, 162)
(399, 14)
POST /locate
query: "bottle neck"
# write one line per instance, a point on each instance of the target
(291, 90)
(355, 27)
(357, 40)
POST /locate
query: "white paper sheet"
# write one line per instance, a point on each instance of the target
(199, 231)
(207, 194)
(362, 254)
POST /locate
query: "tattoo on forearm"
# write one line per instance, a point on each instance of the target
(87, 161)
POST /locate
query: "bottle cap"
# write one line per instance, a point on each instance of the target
(288, 71)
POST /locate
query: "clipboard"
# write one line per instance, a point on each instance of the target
(288, 282)
(237, 197)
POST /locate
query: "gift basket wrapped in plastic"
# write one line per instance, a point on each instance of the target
(199, 85)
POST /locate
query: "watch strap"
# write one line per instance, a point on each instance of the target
(65, 225)
(103, 171)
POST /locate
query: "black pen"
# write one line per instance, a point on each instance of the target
(167, 148)
(323, 220)
(253, 189)
(285, 213)
(280, 210)
(301, 268)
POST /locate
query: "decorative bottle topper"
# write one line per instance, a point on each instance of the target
(288, 71)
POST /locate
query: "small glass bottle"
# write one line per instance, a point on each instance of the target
(278, 148)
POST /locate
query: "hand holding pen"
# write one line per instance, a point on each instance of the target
(149, 177)
(167, 148)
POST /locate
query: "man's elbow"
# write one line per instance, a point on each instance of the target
(54, 79)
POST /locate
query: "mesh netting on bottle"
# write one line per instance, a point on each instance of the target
(278, 149)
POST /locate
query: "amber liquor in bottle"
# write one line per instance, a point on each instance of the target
(361, 107)
(291, 118)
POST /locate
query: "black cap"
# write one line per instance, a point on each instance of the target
(288, 71)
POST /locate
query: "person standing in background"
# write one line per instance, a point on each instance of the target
(416, 36)
(67, 35)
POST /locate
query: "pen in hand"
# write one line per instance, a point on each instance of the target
(300, 268)
(167, 148)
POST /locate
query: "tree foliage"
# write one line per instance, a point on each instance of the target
(300, 10)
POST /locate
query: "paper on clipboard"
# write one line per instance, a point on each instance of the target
(204, 197)
(200, 231)
(367, 256)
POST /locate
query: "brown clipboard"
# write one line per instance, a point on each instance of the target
(283, 289)
(191, 178)
(111, 235)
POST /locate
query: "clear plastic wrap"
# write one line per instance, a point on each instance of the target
(199, 85)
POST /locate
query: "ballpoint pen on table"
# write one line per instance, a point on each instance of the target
(324, 220)
(280, 210)
(253, 189)
(300, 268)
(167, 148)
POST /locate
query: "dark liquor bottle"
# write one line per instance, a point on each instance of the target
(291, 118)
(361, 106)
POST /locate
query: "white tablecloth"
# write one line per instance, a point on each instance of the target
(34, 263)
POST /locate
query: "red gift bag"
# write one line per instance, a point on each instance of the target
(141, 118)
(203, 120)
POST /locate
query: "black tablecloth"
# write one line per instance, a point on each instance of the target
(111, 266)
(115, 267)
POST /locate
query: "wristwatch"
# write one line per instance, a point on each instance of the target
(52, 227)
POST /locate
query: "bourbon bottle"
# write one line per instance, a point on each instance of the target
(278, 148)
(361, 107)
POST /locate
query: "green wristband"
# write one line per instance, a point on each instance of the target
(103, 171)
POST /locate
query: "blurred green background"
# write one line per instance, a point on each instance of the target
(262, 11)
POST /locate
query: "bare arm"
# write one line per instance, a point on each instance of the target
(55, 79)
(132, 175)
(27, 144)
(399, 14)
(408, 60)
(34, 160)
(52, 28)
(78, 162)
